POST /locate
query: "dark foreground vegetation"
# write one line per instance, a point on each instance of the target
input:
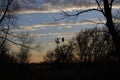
(92, 54)
(73, 61)
(45, 71)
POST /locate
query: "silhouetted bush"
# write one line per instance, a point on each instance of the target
(23, 54)
(61, 54)
(50, 57)
(5, 56)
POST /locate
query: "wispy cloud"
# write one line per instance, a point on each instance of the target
(53, 34)
(58, 25)
(59, 9)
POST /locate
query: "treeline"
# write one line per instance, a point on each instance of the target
(92, 45)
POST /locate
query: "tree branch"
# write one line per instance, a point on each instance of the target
(20, 44)
(6, 35)
(67, 15)
(98, 3)
(6, 9)
(99, 6)
(111, 2)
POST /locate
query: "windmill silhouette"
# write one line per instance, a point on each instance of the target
(63, 39)
(57, 41)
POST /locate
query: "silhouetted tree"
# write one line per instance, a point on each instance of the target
(91, 44)
(24, 54)
(50, 57)
(64, 54)
(8, 9)
(104, 7)
(5, 56)
(61, 54)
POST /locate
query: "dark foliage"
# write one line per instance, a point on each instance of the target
(67, 71)
(90, 55)
(94, 45)
(5, 56)
(61, 54)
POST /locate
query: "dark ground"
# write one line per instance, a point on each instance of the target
(71, 71)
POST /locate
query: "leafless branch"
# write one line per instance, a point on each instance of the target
(6, 34)
(67, 15)
(6, 9)
(99, 6)
(111, 2)
(98, 3)
(19, 43)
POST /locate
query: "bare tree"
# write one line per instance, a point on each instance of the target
(61, 54)
(104, 7)
(24, 54)
(8, 9)
(64, 54)
(50, 57)
(5, 55)
(92, 45)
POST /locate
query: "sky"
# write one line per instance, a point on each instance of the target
(47, 4)
(38, 19)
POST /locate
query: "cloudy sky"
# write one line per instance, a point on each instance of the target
(37, 17)
(44, 4)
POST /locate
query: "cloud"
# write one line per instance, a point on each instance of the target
(59, 9)
(57, 25)
(23, 29)
(67, 34)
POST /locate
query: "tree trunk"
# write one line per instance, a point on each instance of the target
(111, 27)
